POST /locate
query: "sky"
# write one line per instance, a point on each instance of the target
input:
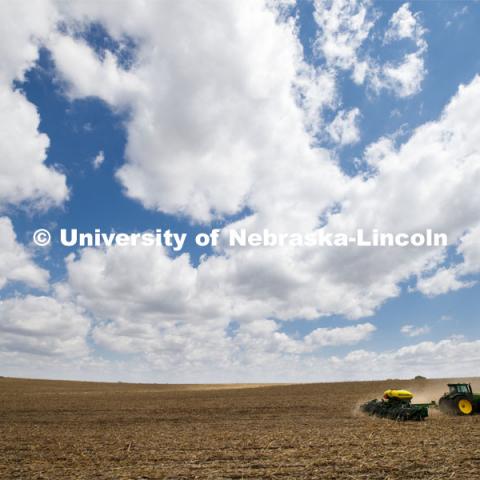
(316, 116)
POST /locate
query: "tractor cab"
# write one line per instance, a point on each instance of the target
(464, 388)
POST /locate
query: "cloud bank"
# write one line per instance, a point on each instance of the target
(227, 117)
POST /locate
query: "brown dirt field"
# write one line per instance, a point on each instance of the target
(79, 430)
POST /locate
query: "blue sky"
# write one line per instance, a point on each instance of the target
(192, 127)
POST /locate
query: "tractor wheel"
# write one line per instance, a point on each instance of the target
(464, 406)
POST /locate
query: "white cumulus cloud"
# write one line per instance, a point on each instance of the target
(344, 128)
(404, 24)
(16, 263)
(42, 326)
(343, 27)
(22, 147)
(242, 108)
(414, 331)
(98, 160)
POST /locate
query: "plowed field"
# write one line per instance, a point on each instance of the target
(79, 430)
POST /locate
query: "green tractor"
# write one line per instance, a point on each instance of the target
(459, 400)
